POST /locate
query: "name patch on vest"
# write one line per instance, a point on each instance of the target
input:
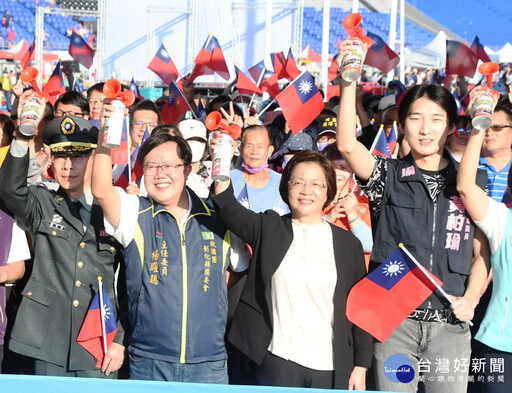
(207, 235)
(409, 171)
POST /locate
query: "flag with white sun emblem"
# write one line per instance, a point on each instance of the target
(91, 333)
(384, 298)
(301, 102)
(243, 197)
(163, 66)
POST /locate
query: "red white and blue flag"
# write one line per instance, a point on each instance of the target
(245, 85)
(119, 155)
(27, 57)
(209, 60)
(380, 55)
(478, 48)
(392, 137)
(135, 89)
(176, 105)
(91, 334)
(80, 51)
(380, 145)
(300, 102)
(382, 300)
(55, 85)
(279, 63)
(292, 71)
(163, 66)
(460, 59)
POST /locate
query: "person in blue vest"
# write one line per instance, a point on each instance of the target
(176, 254)
(414, 201)
(495, 220)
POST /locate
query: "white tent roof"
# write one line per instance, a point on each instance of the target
(433, 55)
(504, 55)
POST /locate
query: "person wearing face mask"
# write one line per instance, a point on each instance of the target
(194, 132)
(327, 133)
(255, 185)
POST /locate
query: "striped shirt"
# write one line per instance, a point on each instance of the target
(496, 180)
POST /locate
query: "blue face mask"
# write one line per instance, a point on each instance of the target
(322, 145)
(286, 159)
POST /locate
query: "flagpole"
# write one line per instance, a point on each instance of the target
(428, 275)
(257, 85)
(381, 129)
(268, 106)
(102, 309)
(127, 121)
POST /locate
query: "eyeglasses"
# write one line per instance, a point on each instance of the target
(59, 113)
(300, 184)
(464, 130)
(498, 127)
(167, 168)
(141, 124)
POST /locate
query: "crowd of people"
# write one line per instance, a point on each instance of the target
(245, 280)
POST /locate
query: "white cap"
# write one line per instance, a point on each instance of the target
(192, 128)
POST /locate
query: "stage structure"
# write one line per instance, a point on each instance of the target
(100, 34)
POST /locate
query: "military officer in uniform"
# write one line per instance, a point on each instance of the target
(71, 250)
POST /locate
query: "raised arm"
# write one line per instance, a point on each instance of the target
(354, 152)
(101, 186)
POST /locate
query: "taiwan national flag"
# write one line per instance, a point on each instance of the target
(292, 71)
(55, 85)
(27, 57)
(270, 84)
(119, 155)
(176, 105)
(256, 70)
(300, 102)
(460, 59)
(135, 89)
(80, 51)
(380, 55)
(384, 298)
(380, 145)
(478, 48)
(333, 69)
(91, 333)
(245, 85)
(209, 60)
(279, 63)
(392, 137)
(163, 66)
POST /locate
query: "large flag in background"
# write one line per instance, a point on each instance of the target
(55, 85)
(460, 59)
(300, 102)
(163, 66)
(380, 55)
(209, 60)
(279, 63)
(91, 333)
(292, 70)
(310, 55)
(392, 137)
(384, 298)
(135, 89)
(380, 145)
(478, 48)
(176, 105)
(80, 51)
(27, 57)
(245, 85)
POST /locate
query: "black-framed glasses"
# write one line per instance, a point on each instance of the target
(300, 184)
(498, 127)
(59, 113)
(167, 168)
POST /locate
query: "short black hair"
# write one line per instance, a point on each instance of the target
(219, 99)
(145, 105)
(154, 141)
(506, 110)
(96, 87)
(74, 98)
(435, 93)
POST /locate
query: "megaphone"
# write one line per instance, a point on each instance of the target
(29, 75)
(351, 23)
(488, 69)
(113, 89)
(215, 121)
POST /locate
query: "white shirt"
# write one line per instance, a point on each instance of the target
(303, 299)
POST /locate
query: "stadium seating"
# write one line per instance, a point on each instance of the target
(378, 24)
(56, 26)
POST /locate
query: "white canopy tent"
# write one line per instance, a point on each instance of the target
(433, 55)
(504, 55)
